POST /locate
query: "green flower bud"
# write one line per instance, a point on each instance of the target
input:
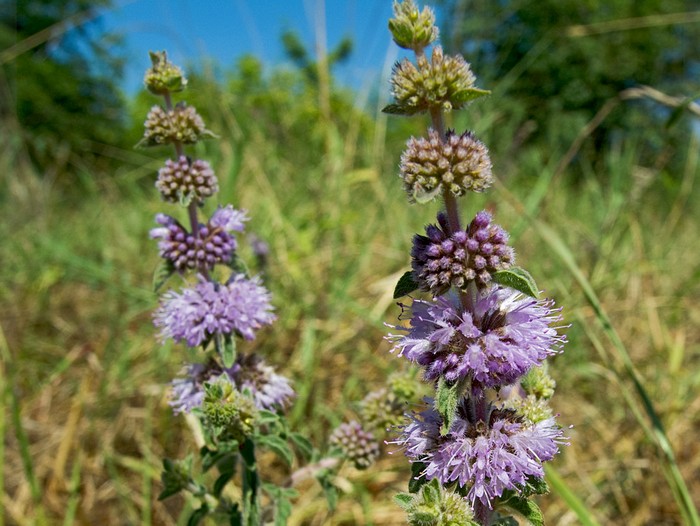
(181, 124)
(436, 506)
(443, 82)
(531, 408)
(412, 29)
(402, 386)
(537, 382)
(227, 408)
(381, 410)
(163, 76)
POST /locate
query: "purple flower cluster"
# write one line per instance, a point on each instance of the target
(494, 337)
(441, 260)
(484, 458)
(269, 390)
(214, 242)
(196, 314)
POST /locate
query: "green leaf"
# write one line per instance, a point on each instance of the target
(519, 279)
(524, 508)
(406, 285)
(446, 399)
(186, 199)
(198, 515)
(282, 499)
(404, 500)
(469, 95)
(163, 271)
(210, 457)
(401, 109)
(417, 480)
(303, 444)
(279, 446)
(226, 347)
(535, 486)
(329, 490)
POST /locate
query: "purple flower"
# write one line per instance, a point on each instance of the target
(484, 458)
(494, 338)
(440, 260)
(213, 244)
(269, 390)
(196, 314)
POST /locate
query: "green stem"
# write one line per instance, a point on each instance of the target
(250, 483)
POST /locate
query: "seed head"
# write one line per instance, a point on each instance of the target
(181, 181)
(411, 28)
(459, 164)
(443, 82)
(357, 445)
(182, 124)
(163, 76)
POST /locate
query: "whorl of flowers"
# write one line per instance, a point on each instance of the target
(435, 506)
(484, 457)
(441, 261)
(459, 163)
(411, 28)
(181, 180)
(494, 340)
(193, 316)
(181, 125)
(443, 82)
(357, 445)
(213, 244)
(269, 390)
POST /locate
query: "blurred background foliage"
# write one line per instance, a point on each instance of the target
(597, 189)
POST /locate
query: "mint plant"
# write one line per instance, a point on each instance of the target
(482, 336)
(235, 400)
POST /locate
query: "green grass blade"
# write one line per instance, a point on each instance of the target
(575, 504)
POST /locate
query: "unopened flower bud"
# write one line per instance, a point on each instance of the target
(443, 82)
(411, 28)
(531, 408)
(182, 181)
(459, 163)
(537, 382)
(182, 125)
(357, 445)
(227, 408)
(436, 506)
(163, 76)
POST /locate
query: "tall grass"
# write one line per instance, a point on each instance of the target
(84, 383)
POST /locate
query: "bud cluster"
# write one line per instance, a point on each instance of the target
(441, 260)
(356, 444)
(163, 77)
(411, 28)
(458, 164)
(182, 180)
(444, 82)
(180, 125)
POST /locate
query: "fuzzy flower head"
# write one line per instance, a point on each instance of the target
(443, 82)
(411, 28)
(214, 243)
(197, 314)
(459, 164)
(493, 340)
(485, 458)
(163, 76)
(182, 180)
(270, 391)
(182, 124)
(441, 261)
(357, 445)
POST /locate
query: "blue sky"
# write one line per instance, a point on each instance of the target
(191, 30)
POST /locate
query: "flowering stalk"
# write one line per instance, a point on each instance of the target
(483, 336)
(237, 400)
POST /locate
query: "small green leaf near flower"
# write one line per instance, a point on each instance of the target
(519, 279)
